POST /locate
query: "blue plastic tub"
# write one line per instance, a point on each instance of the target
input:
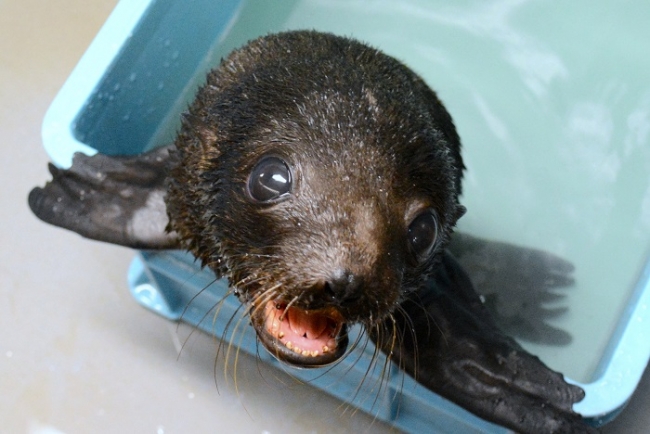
(555, 120)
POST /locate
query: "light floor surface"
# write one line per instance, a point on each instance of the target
(77, 354)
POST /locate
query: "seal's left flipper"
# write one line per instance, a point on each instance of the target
(448, 342)
(119, 200)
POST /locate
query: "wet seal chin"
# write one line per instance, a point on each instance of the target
(300, 337)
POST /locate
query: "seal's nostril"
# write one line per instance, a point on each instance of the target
(329, 290)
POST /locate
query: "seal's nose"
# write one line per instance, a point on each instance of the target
(344, 286)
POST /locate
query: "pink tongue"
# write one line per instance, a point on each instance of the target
(309, 325)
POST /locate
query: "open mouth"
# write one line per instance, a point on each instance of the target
(306, 338)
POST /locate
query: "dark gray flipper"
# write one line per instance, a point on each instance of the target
(516, 283)
(119, 200)
(448, 342)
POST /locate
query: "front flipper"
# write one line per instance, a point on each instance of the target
(448, 343)
(119, 200)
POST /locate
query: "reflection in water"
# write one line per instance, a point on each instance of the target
(516, 283)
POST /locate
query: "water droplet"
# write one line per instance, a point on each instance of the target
(133, 76)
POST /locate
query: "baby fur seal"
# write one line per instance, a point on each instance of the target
(322, 177)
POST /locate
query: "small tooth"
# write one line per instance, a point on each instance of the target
(280, 335)
(306, 352)
(314, 353)
(325, 348)
(289, 345)
(297, 350)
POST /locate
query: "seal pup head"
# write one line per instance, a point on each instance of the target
(322, 177)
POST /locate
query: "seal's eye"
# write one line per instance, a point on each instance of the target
(269, 180)
(422, 234)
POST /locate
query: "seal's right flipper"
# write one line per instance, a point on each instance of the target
(119, 200)
(517, 283)
(445, 338)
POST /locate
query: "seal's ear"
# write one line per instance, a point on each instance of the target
(119, 200)
(205, 134)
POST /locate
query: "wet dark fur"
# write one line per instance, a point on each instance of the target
(367, 139)
(345, 122)
(371, 147)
